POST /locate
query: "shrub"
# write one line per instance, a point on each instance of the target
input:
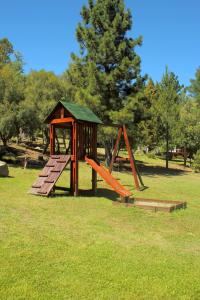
(196, 163)
(151, 155)
(138, 152)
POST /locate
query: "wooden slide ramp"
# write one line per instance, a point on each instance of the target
(104, 173)
(49, 175)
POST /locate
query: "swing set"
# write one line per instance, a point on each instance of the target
(138, 182)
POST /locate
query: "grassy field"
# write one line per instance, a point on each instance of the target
(87, 248)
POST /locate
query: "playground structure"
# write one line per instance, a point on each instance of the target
(82, 125)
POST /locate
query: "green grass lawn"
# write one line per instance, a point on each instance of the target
(87, 248)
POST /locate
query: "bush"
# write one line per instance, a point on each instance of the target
(196, 163)
(151, 155)
(138, 152)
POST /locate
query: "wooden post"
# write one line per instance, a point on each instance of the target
(52, 139)
(131, 157)
(75, 165)
(71, 164)
(115, 149)
(94, 154)
(74, 160)
(80, 142)
(62, 112)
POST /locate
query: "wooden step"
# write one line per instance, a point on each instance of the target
(36, 186)
(59, 167)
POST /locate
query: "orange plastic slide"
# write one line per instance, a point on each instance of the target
(104, 173)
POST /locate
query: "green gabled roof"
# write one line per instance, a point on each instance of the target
(81, 112)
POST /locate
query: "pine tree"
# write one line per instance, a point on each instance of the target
(195, 86)
(189, 126)
(167, 106)
(106, 76)
(147, 126)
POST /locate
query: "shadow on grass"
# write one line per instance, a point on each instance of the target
(12, 150)
(101, 193)
(152, 171)
(35, 165)
(160, 171)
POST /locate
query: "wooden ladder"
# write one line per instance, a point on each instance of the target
(49, 175)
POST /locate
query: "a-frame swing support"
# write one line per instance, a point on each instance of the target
(136, 175)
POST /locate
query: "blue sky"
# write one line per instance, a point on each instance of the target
(44, 32)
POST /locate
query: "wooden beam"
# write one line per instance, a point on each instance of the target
(52, 139)
(62, 112)
(131, 157)
(74, 161)
(62, 120)
(94, 156)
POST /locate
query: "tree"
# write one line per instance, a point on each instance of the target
(189, 130)
(43, 89)
(147, 129)
(166, 107)
(6, 51)
(28, 120)
(11, 90)
(106, 76)
(195, 86)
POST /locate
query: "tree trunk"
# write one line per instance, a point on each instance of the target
(108, 152)
(46, 135)
(167, 147)
(190, 156)
(4, 140)
(63, 138)
(43, 139)
(58, 144)
(19, 136)
(185, 155)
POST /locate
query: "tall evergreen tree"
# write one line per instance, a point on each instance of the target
(167, 107)
(147, 130)
(106, 76)
(195, 86)
(189, 126)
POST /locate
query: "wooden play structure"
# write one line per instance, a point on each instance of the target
(82, 125)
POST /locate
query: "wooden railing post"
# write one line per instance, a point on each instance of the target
(52, 139)
(74, 160)
(94, 154)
